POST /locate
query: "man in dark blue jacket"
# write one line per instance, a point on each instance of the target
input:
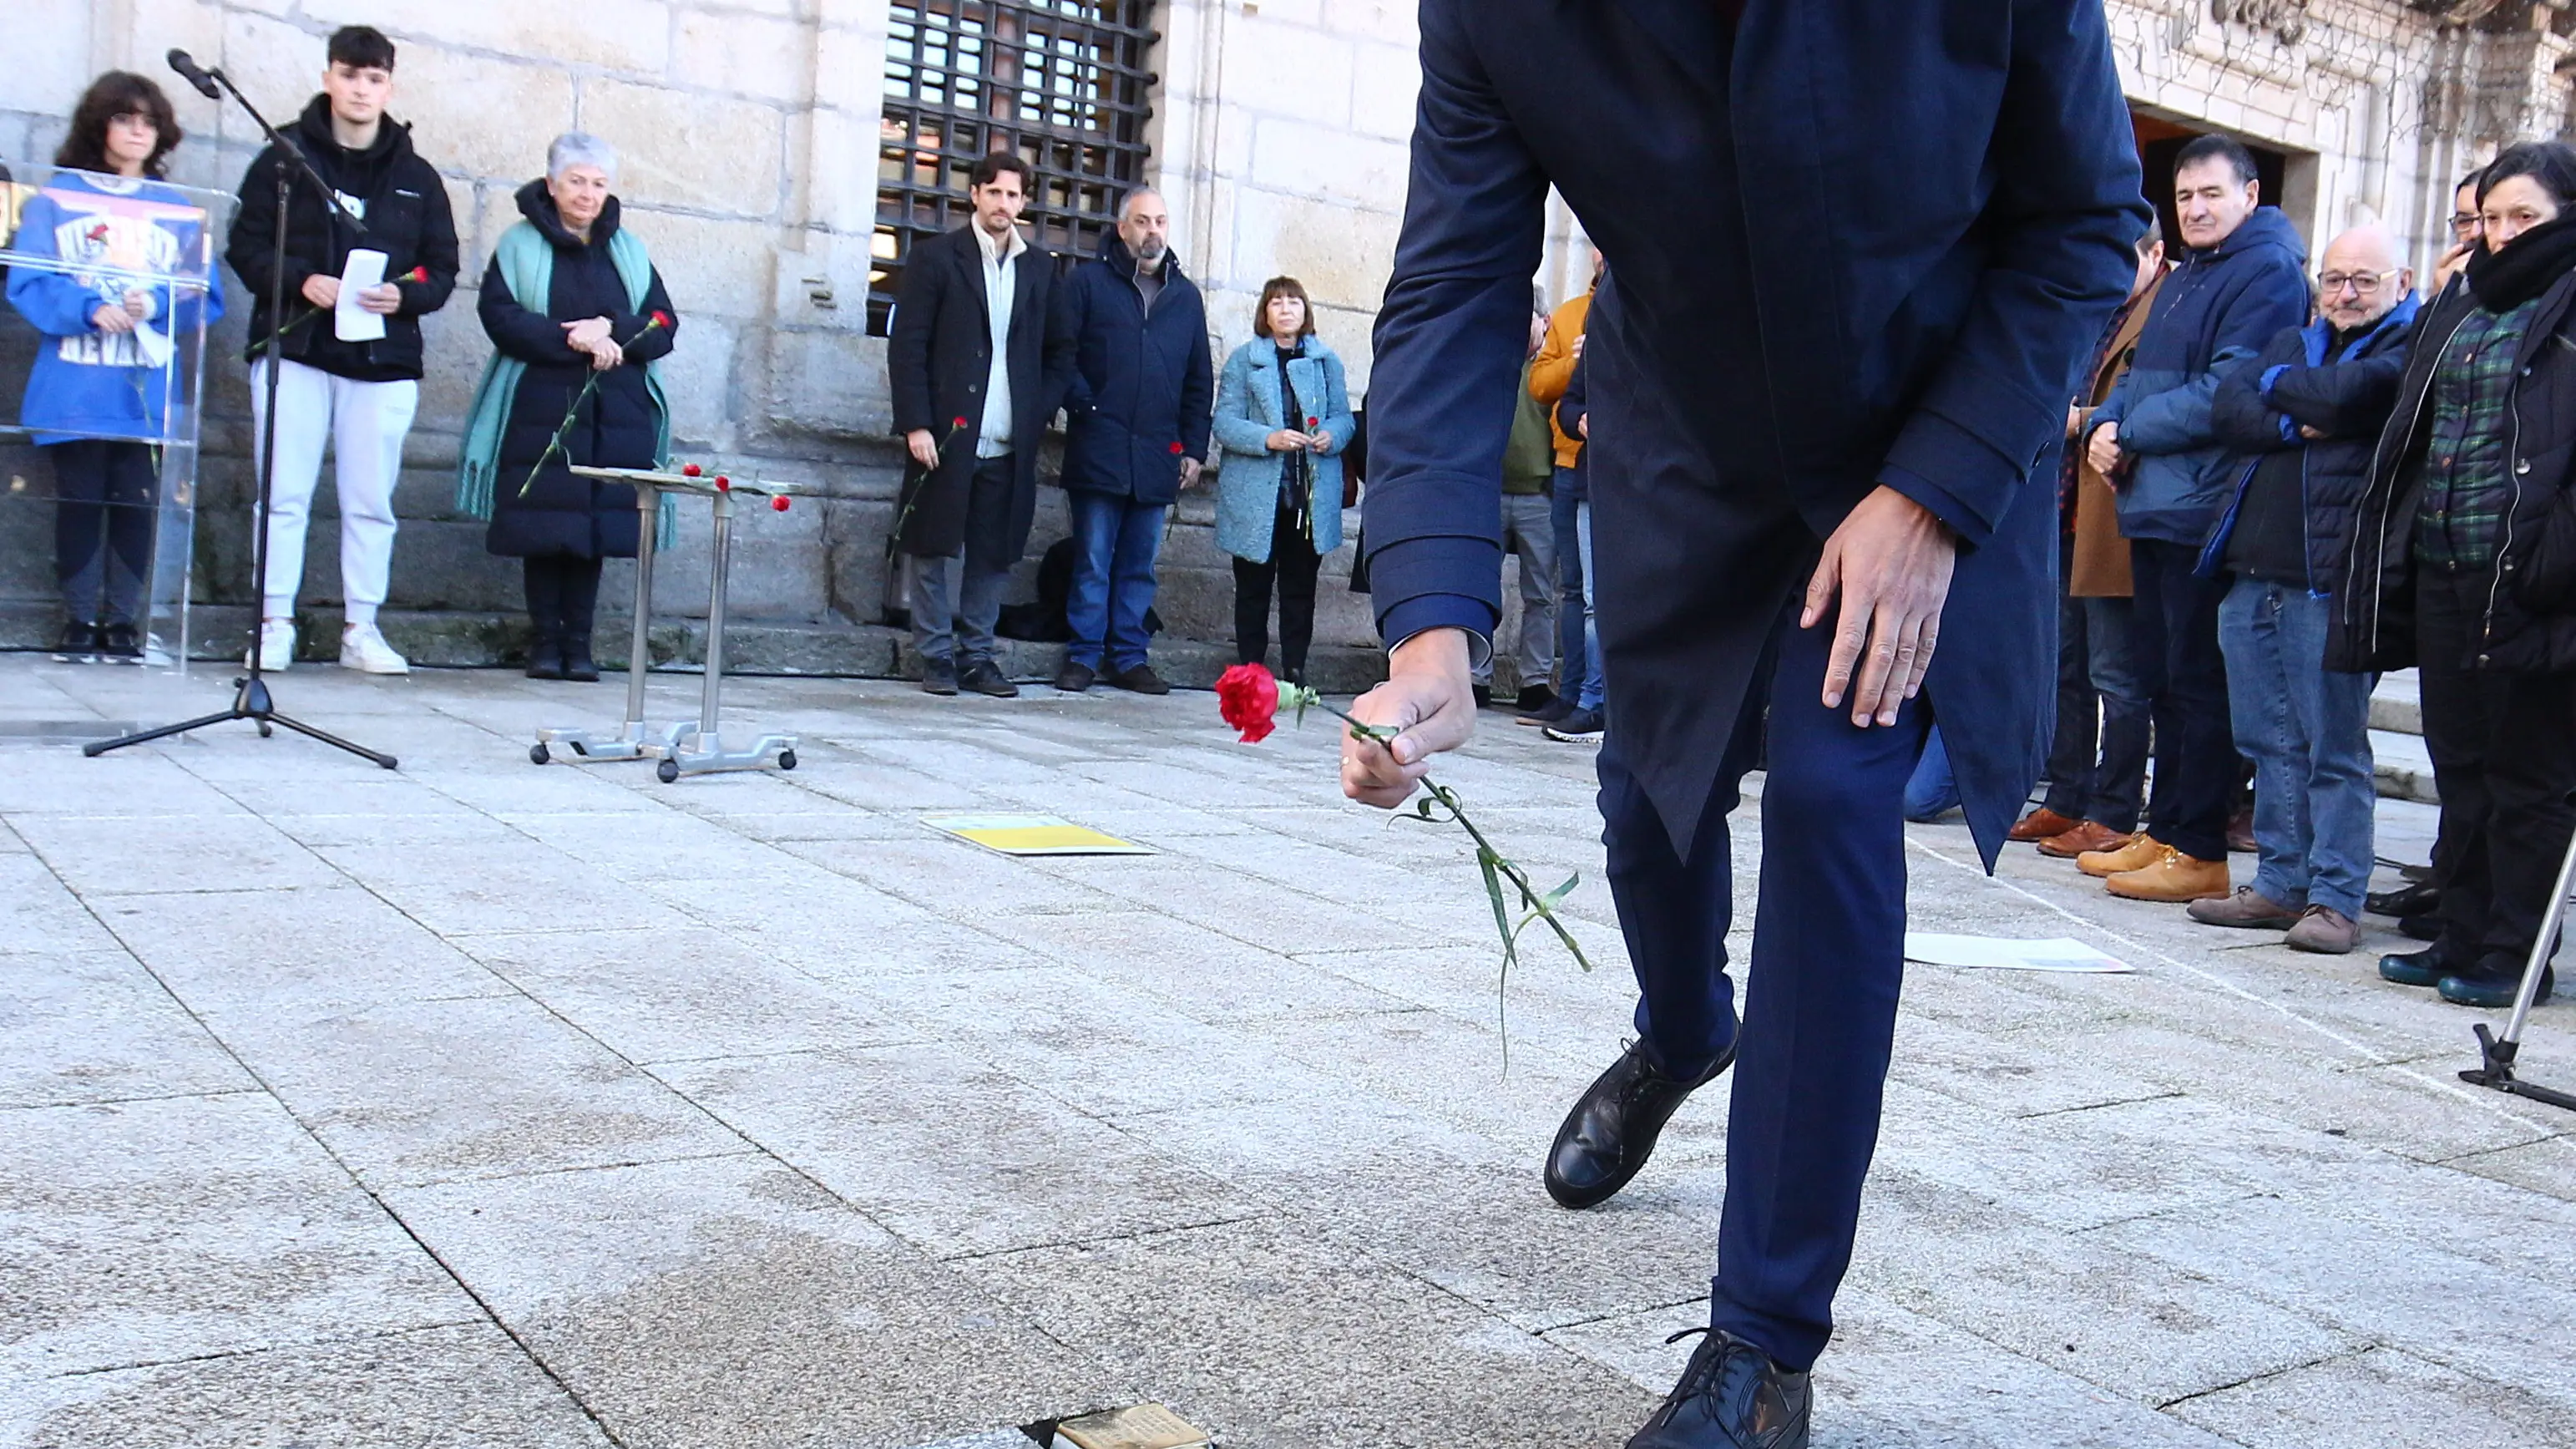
(1798, 432)
(2300, 423)
(2242, 279)
(1138, 404)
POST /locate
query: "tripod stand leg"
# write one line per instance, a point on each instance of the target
(96, 748)
(361, 751)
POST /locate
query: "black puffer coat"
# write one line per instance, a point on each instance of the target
(2530, 616)
(618, 426)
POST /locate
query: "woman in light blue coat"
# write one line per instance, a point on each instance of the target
(1283, 418)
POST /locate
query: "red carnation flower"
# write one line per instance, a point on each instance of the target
(1312, 423)
(98, 233)
(662, 319)
(416, 274)
(1176, 450)
(779, 503)
(1248, 697)
(723, 484)
(690, 470)
(956, 422)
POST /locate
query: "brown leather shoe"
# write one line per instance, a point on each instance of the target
(2175, 877)
(2247, 910)
(2326, 931)
(2084, 839)
(2039, 825)
(2141, 851)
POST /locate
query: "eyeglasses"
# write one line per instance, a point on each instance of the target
(2362, 283)
(2464, 220)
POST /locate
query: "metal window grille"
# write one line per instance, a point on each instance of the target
(1060, 82)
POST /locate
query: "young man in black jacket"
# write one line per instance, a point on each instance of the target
(340, 381)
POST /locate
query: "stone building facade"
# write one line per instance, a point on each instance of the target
(759, 137)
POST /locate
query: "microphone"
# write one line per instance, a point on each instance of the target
(194, 74)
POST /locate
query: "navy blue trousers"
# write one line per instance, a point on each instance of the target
(1820, 1000)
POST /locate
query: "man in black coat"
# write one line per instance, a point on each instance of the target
(2300, 421)
(969, 358)
(1838, 408)
(358, 395)
(1139, 394)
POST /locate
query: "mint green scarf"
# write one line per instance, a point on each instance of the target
(528, 267)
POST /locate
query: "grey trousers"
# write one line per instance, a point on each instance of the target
(1529, 530)
(955, 604)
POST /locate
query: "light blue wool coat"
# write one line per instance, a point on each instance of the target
(1247, 413)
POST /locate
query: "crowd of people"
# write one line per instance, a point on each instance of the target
(2273, 494)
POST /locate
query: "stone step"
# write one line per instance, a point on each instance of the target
(2404, 767)
(2394, 705)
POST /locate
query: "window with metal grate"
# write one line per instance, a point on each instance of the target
(1060, 82)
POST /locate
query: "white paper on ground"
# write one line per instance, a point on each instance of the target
(349, 321)
(2057, 953)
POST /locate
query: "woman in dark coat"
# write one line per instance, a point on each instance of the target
(570, 301)
(2463, 561)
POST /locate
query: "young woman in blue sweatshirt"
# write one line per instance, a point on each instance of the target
(99, 395)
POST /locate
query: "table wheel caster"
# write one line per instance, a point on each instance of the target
(538, 754)
(667, 771)
(787, 759)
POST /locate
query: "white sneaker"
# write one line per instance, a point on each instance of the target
(363, 648)
(276, 645)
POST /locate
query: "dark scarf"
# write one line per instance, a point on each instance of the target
(2526, 267)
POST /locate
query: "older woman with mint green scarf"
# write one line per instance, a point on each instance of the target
(580, 320)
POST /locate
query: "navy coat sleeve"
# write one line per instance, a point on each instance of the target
(531, 337)
(1198, 395)
(1449, 344)
(2346, 400)
(1573, 406)
(2241, 415)
(2063, 216)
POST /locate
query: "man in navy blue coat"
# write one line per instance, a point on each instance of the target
(1858, 253)
(1139, 395)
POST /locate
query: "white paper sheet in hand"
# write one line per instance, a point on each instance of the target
(349, 321)
(1995, 953)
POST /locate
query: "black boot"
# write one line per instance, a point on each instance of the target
(1612, 1129)
(577, 663)
(1732, 1396)
(546, 658)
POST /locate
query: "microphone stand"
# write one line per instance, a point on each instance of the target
(251, 699)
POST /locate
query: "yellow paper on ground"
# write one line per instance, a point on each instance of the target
(1032, 835)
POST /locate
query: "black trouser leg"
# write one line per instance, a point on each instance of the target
(1252, 583)
(1298, 566)
(80, 525)
(580, 599)
(2072, 752)
(545, 584)
(2176, 619)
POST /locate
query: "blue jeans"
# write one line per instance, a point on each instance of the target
(1820, 1002)
(1931, 792)
(1573, 617)
(2307, 730)
(1595, 689)
(1115, 541)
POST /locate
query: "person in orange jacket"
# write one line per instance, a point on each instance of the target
(1549, 373)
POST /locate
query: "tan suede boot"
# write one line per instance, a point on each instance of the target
(2141, 851)
(2174, 877)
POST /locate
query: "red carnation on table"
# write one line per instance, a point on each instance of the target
(690, 470)
(1250, 698)
(778, 503)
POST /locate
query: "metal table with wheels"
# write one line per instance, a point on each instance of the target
(683, 748)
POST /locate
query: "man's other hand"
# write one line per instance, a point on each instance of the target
(924, 447)
(1430, 698)
(1890, 561)
(2103, 449)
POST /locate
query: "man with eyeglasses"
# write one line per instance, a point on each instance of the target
(2301, 421)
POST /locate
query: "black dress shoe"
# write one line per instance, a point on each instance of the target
(985, 677)
(545, 660)
(1075, 678)
(938, 676)
(1140, 679)
(1612, 1129)
(2421, 928)
(2405, 901)
(579, 667)
(1732, 1396)
(79, 644)
(2415, 968)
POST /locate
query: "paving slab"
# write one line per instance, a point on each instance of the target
(2413, 1402)
(149, 1232)
(99, 1028)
